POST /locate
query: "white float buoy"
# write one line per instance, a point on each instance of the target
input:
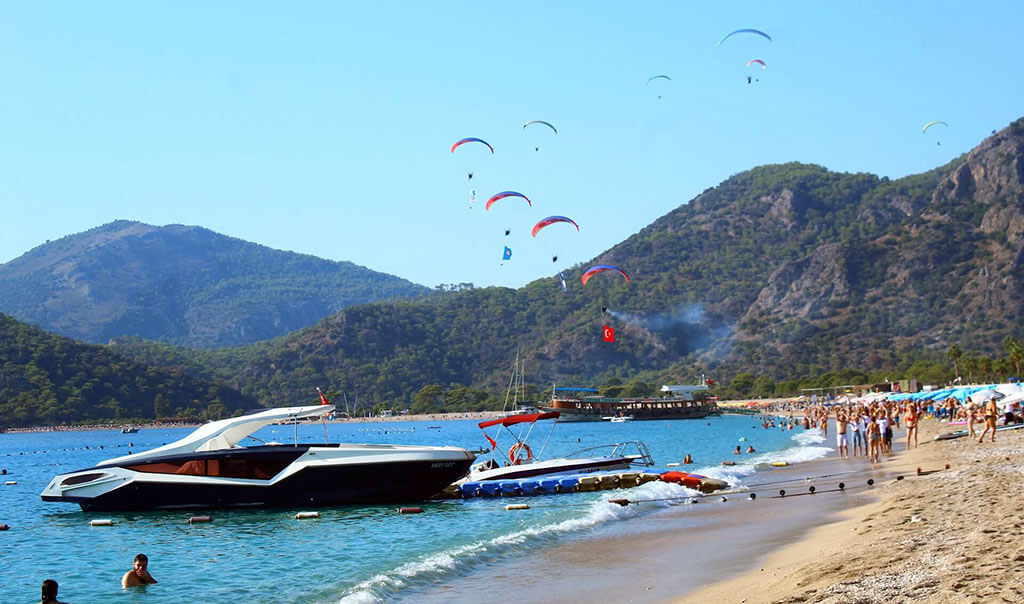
(101, 522)
(516, 506)
(198, 519)
(306, 515)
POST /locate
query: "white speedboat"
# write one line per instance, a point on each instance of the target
(520, 461)
(208, 468)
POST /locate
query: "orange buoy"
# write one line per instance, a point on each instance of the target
(410, 510)
(4, 527)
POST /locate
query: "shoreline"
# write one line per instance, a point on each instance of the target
(908, 537)
(946, 535)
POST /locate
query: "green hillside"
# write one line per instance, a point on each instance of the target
(48, 380)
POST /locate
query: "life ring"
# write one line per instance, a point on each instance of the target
(513, 453)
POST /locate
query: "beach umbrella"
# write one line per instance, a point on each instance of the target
(1006, 402)
(982, 396)
(1009, 389)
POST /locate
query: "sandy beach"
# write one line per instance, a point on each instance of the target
(944, 536)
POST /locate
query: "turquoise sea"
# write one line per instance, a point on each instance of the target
(350, 554)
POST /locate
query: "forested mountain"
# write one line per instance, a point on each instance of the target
(49, 379)
(784, 270)
(181, 284)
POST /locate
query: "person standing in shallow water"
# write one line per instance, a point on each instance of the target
(138, 575)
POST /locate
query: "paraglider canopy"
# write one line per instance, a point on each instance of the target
(471, 140)
(503, 195)
(540, 122)
(551, 220)
(658, 77)
(757, 61)
(930, 124)
(746, 30)
(601, 268)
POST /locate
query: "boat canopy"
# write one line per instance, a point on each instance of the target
(525, 418)
(574, 389)
(226, 433)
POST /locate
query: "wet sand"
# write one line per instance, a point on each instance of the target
(658, 556)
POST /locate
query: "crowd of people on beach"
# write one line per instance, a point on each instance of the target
(870, 425)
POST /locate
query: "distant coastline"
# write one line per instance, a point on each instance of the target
(763, 405)
(425, 417)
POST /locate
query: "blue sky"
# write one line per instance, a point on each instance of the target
(325, 128)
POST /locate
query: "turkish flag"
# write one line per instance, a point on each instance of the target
(323, 399)
(609, 334)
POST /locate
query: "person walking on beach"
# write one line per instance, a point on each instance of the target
(971, 412)
(856, 434)
(49, 595)
(991, 412)
(138, 575)
(911, 423)
(874, 436)
(841, 443)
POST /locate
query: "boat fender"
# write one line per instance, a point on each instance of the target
(780, 464)
(10, 482)
(728, 463)
(622, 502)
(513, 452)
(306, 515)
(101, 522)
(198, 519)
(673, 464)
(410, 510)
(516, 506)
(4, 527)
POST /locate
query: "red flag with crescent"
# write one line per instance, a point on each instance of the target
(609, 334)
(323, 399)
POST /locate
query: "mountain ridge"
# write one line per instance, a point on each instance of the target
(181, 284)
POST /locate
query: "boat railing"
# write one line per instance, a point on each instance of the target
(622, 449)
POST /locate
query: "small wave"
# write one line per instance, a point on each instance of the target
(807, 448)
(388, 586)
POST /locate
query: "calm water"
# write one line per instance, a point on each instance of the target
(350, 554)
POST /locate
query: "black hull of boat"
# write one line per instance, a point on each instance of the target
(312, 487)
